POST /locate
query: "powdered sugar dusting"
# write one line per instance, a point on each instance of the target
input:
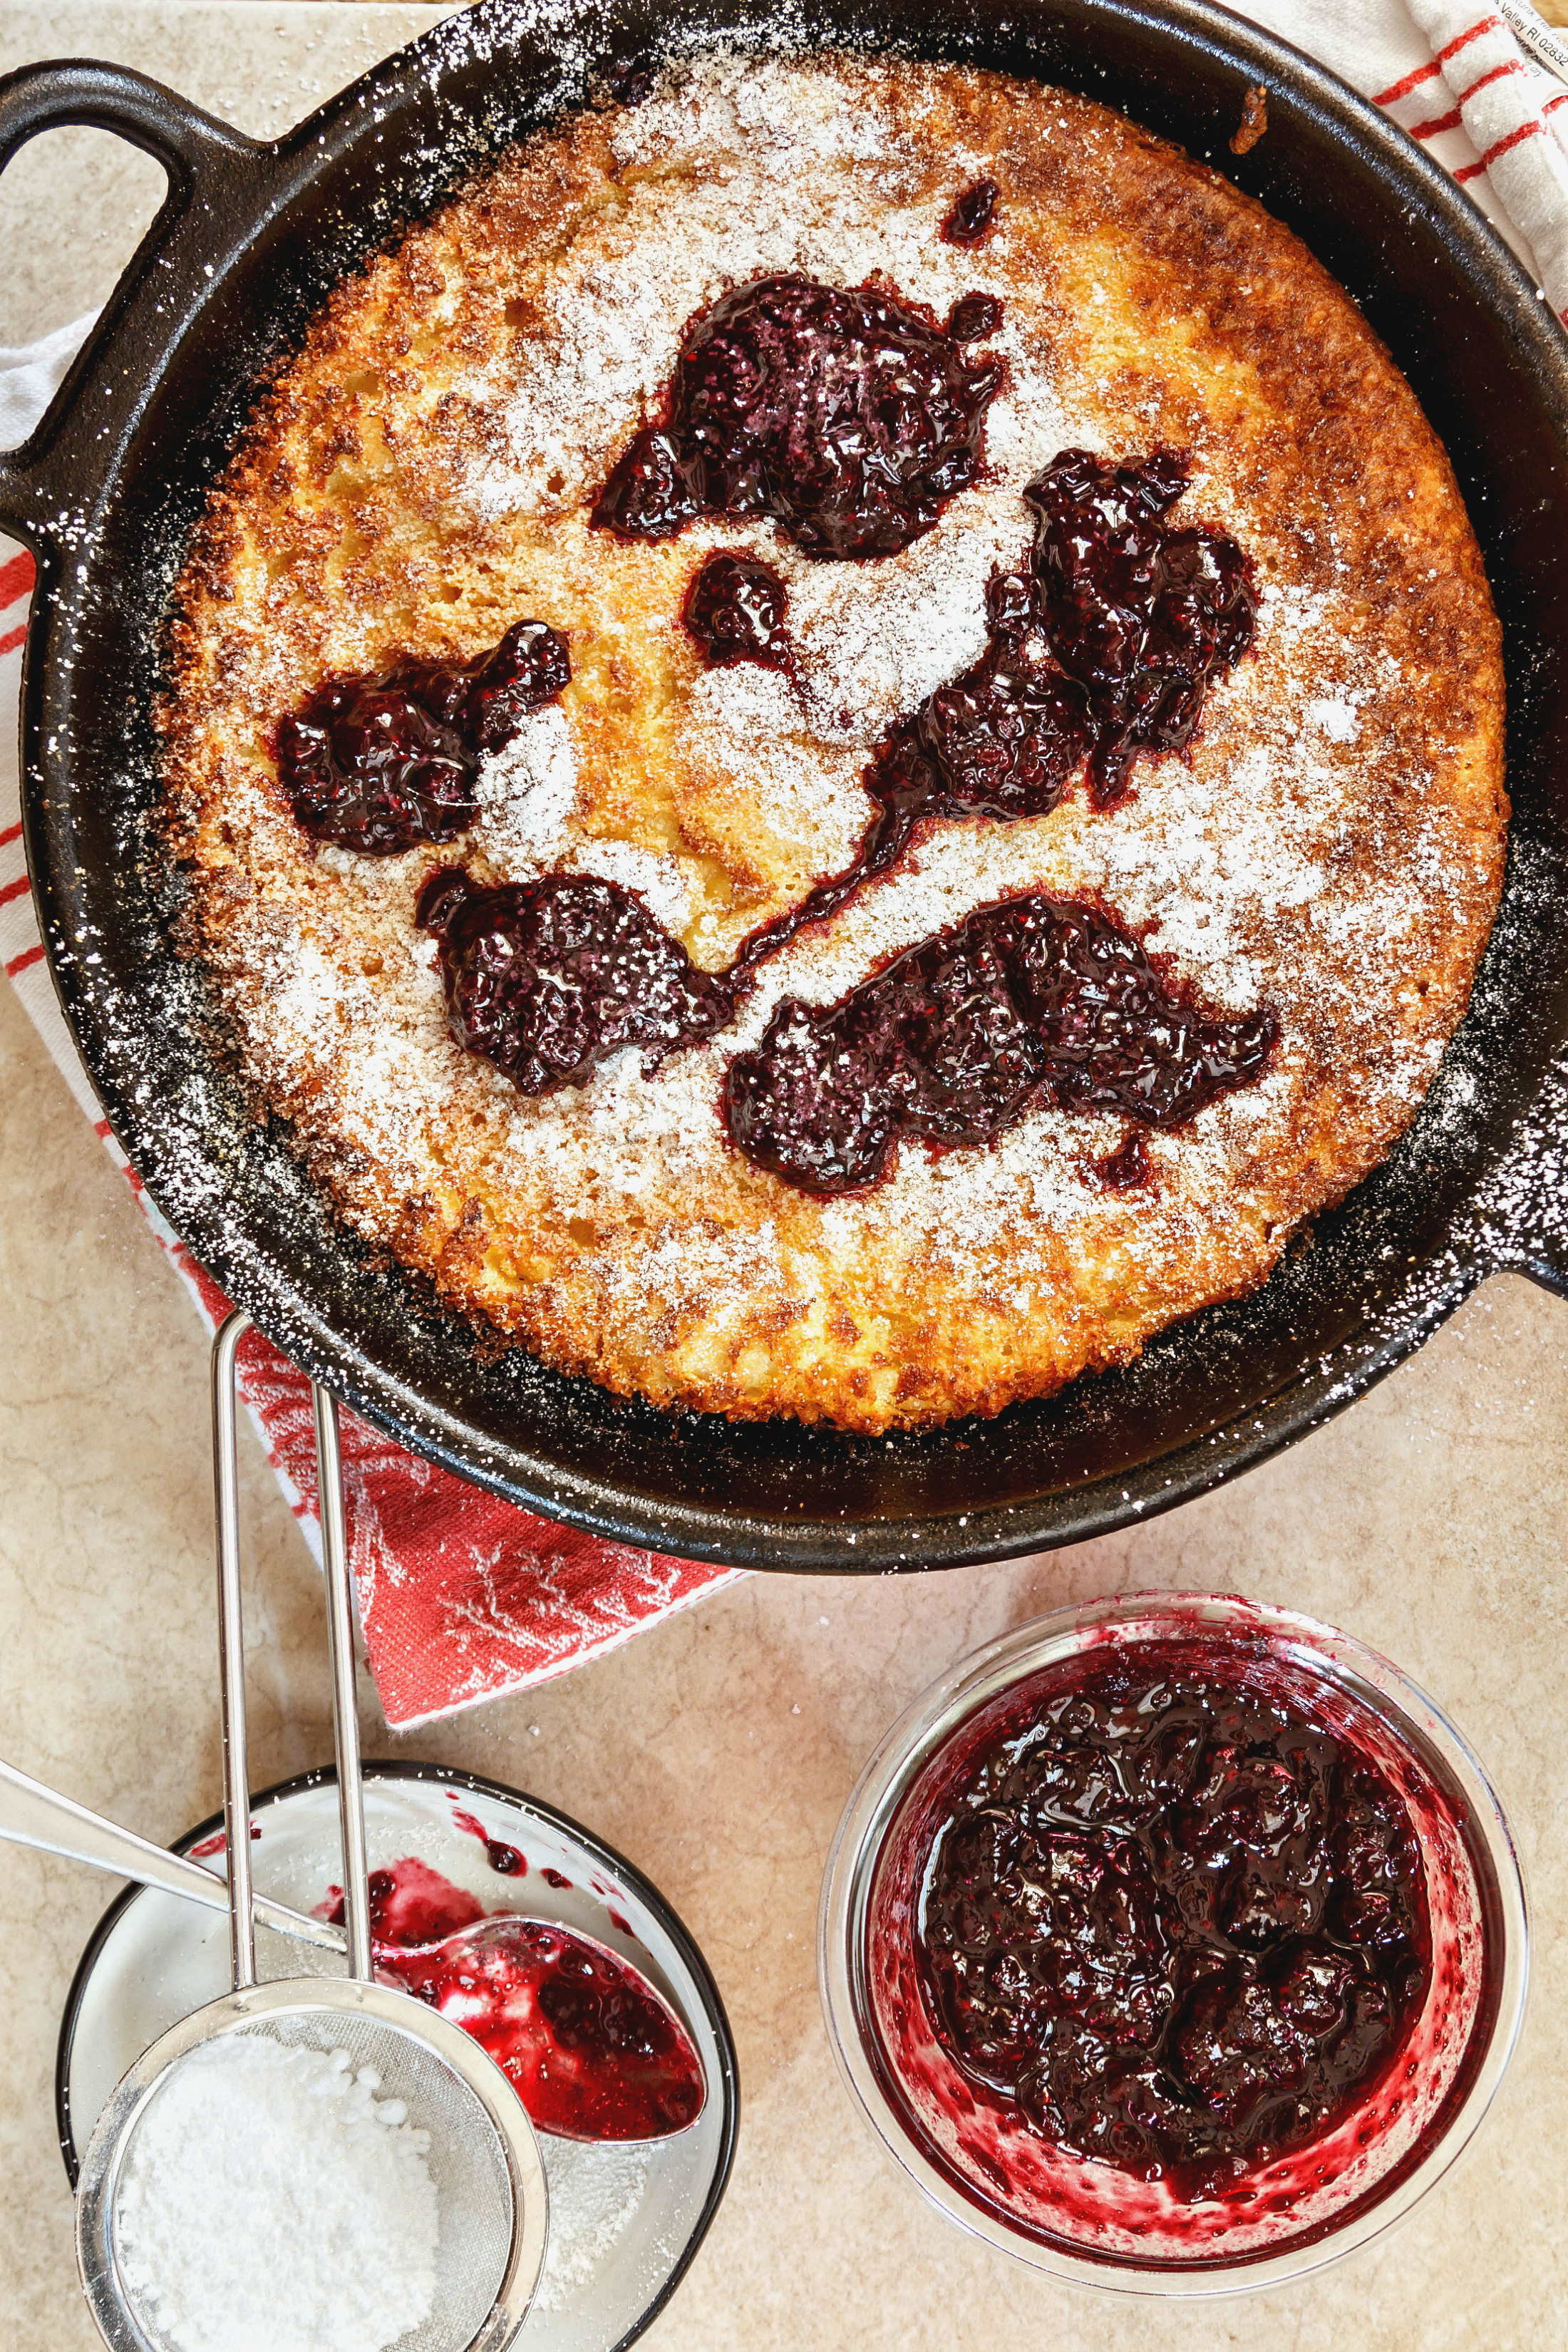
(875, 639)
(658, 881)
(527, 793)
(1304, 855)
(761, 140)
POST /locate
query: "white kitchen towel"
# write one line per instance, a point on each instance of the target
(462, 1598)
(1455, 77)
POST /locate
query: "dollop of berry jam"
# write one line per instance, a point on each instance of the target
(379, 765)
(1101, 645)
(973, 317)
(969, 216)
(1034, 999)
(735, 609)
(547, 979)
(1127, 1168)
(1142, 615)
(1000, 742)
(1173, 1915)
(846, 415)
(589, 2051)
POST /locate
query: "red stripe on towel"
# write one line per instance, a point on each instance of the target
(1501, 147)
(1424, 73)
(1513, 64)
(1439, 122)
(16, 578)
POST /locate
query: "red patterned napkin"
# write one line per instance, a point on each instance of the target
(462, 1597)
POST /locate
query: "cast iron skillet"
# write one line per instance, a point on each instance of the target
(249, 240)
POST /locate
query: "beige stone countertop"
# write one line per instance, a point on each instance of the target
(718, 1750)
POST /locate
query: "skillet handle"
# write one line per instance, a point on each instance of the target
(65, 457)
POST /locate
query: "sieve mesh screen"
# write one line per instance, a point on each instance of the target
(467, 2164)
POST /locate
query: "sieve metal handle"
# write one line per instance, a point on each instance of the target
(231, 1652)
(231, 1663)
(345, 1701)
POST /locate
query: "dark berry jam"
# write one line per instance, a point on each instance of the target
(1142, 615)
(506, 1861)
(1102, 645)
(735, 609)
(846, 415)
(969, 216)
(973, 317)
(631, 74)
(1001, 742)
(547, 979)
(1127, 1168)
(590, 2051)
(1173, 1915)
(381, 764)
(1034, 999)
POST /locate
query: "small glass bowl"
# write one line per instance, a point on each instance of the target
(1085, 2224)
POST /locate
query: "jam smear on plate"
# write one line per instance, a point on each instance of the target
(589, 2054)
(1034, 999)
(379, 765)
(506, 1861)
(1173, 1915)
(848, 415)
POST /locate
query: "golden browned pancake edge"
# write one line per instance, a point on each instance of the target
(420, 476)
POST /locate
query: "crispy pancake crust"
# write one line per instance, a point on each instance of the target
(421, 475)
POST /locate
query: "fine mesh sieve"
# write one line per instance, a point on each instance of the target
(483, 2158)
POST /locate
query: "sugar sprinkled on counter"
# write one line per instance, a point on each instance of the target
(272, 2203)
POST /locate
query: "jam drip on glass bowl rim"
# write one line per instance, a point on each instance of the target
(849, 416)
(379, 765)
(1172, 1916)
(1034, 999)
(590, 2055)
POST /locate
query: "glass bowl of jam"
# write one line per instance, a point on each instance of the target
(1173, 1944)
